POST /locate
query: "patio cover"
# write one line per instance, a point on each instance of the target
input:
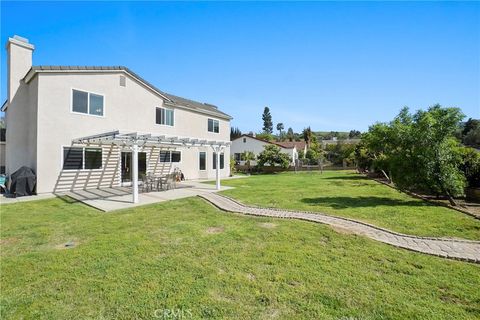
(134, 141)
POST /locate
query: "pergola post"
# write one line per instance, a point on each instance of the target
(135, 172)
(217, 171)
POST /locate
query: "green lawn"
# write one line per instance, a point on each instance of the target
(188, 256)
(347, 194)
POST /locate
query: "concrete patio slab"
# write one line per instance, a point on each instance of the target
(7, 200)
(116, 198)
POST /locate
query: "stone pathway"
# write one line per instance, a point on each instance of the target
(466, 250)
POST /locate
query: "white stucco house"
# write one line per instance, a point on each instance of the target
(253, 144)
(85, 127)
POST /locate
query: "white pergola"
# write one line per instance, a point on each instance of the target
(136, 141)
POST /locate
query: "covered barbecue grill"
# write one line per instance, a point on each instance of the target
(23, 182)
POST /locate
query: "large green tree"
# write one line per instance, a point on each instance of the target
(267, 121)
(419, 151)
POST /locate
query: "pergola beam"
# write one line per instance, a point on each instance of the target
(134, 140)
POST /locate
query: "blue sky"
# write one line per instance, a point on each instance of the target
(333, 66)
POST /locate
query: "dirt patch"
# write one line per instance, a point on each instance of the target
(271, 313)
(268, 225)
(251, 276)
(8, 241)
(214, 230)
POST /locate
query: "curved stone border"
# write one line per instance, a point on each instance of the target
(466, 250)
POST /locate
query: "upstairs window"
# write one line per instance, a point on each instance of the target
(87, 103)
(164, 116)
(213, 126)
(76, 158)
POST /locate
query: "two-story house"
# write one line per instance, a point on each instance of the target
(49, 108)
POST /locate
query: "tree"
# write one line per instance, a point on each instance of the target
(273, 156)
(235, 133)
(248, 156)
(280, 127)
(307, 136)
(471, 124)
(354, 134)
(290, 134)
(363, 158)
(470, 166)
(232, 165)
(2, 122)
(420, 151)
(472, 138)
(267, 121)
(265, 136)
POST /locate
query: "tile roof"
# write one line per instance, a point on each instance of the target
(174, 100)
(300, 145)
(263, 140)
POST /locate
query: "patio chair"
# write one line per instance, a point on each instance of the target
(147, 183)
(169, 182)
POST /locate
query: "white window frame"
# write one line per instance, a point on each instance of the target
(206, 160)
(181, 156)
(165, 125)
(88, 103)
(214, 125)
(62, 148)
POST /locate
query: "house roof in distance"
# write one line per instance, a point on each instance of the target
(300, 145)
(170, 99)
(262, 140)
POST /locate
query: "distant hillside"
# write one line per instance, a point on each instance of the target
(327, 135)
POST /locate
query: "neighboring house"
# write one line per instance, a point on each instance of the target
(49, 108)
(256, 145)
(299, 145)
(2, 150)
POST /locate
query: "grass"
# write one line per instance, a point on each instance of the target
(347, 194)
(189, 257)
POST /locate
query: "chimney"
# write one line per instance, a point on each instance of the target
(19, 62)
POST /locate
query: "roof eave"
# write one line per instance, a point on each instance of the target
(213, 114)
(4, 106)
(33, 71)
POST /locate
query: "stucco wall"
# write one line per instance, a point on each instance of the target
(21, 124)
(2, 153)
(129, 109)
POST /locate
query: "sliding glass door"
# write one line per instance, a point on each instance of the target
(126, 163)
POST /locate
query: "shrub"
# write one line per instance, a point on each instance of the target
(273, 156)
